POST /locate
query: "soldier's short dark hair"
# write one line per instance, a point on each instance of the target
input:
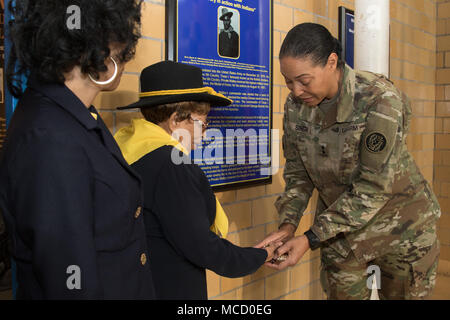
(183, 111)
(311, 40)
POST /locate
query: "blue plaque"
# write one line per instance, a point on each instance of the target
(347, 35)
(231, 41)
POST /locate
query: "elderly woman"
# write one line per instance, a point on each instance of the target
(180, 209)
(68, 197)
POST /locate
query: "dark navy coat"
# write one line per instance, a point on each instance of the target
(179, 209)
(71, 203)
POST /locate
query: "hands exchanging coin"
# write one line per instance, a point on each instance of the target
(270, 248)
(280, 258)
(283, 252)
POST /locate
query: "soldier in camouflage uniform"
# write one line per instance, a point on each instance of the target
(374, 206)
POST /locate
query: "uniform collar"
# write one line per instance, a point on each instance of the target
(345, 105)
(342, 111)
(67, 100)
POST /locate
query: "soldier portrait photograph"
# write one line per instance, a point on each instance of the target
(228, 37)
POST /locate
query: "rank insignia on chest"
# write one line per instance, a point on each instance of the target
(376, 142)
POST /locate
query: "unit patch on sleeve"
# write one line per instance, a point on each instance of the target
(376, 142)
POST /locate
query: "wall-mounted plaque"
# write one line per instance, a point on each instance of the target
(347, 35)
(231, 41)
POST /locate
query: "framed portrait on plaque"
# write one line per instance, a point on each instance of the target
(231, 41)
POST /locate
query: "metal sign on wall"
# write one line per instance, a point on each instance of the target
(231, 41)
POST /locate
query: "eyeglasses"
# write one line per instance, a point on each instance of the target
(203, 124)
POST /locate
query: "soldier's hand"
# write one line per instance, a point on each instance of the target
(284, 233)
(288, 231)
(294, 248)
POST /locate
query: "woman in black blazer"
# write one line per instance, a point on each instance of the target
(182, 215)
(71, 203)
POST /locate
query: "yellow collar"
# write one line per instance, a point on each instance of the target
(143, 137)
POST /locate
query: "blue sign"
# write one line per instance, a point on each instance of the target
(350, 39)
(231, 41)
(347, 35)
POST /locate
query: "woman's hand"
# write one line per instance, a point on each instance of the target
(271, 248)
(295, 249)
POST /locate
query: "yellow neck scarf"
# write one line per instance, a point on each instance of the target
(143, 137)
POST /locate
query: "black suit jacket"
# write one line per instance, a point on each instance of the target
(70, 199)
(229, 47)
(179, 209)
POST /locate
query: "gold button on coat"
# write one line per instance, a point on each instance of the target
(143, 259)
(138, 212)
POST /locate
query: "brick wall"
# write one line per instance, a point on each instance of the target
(251, 212)
(413, 70)
(442, 151)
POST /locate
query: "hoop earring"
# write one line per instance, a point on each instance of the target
(102, 83)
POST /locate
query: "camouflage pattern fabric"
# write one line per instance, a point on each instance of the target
(373, 199)
(403, 275)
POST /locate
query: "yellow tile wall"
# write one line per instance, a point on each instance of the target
(415, 67)
(442, 127)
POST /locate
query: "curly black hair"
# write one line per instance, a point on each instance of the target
(44, 45)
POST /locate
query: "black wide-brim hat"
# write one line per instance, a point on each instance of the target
(170, 82)
(227, 16)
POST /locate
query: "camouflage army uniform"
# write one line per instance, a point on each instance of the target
(374, 207)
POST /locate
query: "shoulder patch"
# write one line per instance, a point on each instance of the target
(376, 142)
